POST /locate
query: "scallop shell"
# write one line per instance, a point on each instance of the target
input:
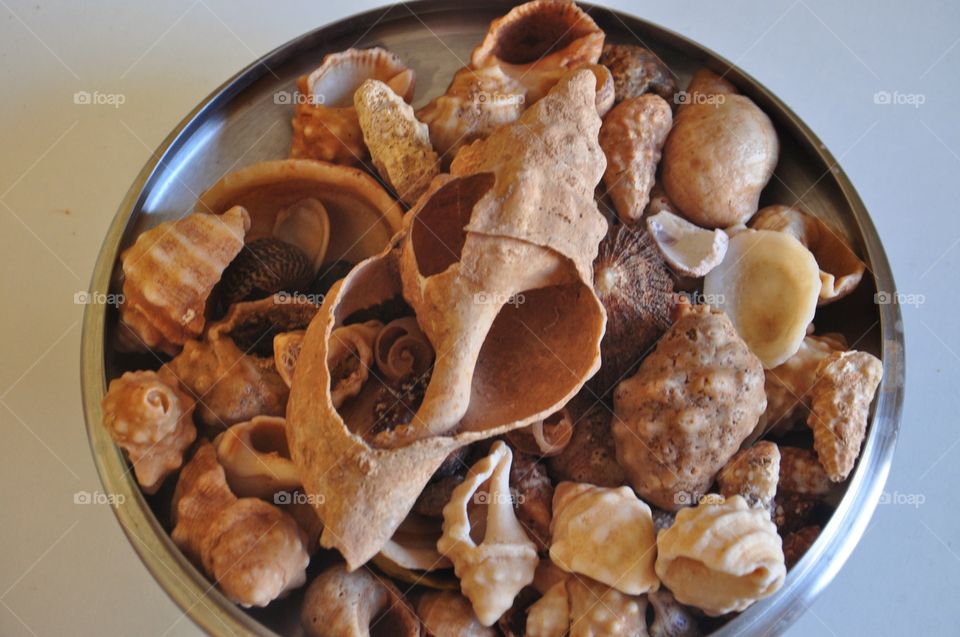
(151, 418)
(169, 273)
(255, 458)
(325, 126)
(362, 216)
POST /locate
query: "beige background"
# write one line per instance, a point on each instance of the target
(67, 569)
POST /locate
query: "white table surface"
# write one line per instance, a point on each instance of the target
(67, 568)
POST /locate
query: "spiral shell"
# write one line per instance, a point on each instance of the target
(255, 458)
(401, 349)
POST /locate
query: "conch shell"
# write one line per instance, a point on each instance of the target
(151, 418)
(362, 217)
(840, 268)
(255, 458)
(326, 126)
(254, 551)
(169, 273)
(721, 556)
(492, 572)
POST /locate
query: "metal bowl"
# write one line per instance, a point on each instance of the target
(247, 120)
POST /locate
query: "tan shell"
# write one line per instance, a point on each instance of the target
(399, 144)
(253, 551)
(286, 350)
(688, 408)
(717, 160)
(605, 534)
(414, 545)
(839, 407)
(752, 473)
(801, 473)
(350, 350)
(325, 126)
(581, 607)
(494, 568)
(305, 225)
(449, 614)
(705, 83)
(402, 349)
(255, 458)
(689, 249)
(351, 604)
(632, 137)
(591, 455)
(721, 556)
(637, 71)
(545, 438)
(362, 216)
(151, 419)
(169, 273)
(840, 268)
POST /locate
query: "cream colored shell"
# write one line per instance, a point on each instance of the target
(606, 534)
(721, 556)
(255, 458)
(581, 607)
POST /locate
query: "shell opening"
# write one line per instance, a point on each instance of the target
(537, 34)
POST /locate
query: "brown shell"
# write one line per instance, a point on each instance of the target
(637, 70)
(264, 266)
(591, 456)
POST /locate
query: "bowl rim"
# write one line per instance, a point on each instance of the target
(209, 609)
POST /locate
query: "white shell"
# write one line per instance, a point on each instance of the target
(688, 248)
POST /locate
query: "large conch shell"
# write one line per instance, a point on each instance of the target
(255, 458)
(362, 216)
(840, 268)
(169, 273)
(533, 215)
(492, 572)
(326, 126)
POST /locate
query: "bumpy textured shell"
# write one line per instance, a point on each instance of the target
(839, 406)
(581, 607)
(149, 416)
(605, 534)
(802, 473)
(325, 126)
(752, 473)
(169, 273)
(255, 458)
(254, 551)
(399, 144)
(492, 570)
(264, 267)
(636, 71)
(449, 614)
(721, 556)
(688, 408)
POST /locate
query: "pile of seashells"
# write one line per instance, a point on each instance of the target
(469, 380)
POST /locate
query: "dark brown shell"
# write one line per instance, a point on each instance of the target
(636, 290)
(636, 71)
(264, 266)
(591, 456)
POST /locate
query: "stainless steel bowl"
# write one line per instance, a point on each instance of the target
(244, 121)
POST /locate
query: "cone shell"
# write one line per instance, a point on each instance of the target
(326, 126)
(169, 273)
(362, 216)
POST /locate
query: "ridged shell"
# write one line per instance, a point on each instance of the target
(264, 267)
(170, 271)
(255, 458)
(721, 556)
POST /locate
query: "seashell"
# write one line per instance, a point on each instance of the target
(632, 137)
(768, 284)
(436, 495)
(253, 551)
(839, 407)
(350, 604)
(254, 324)
(752, 473)
(325, 126)
(797, 543)
(414, 545)
(605, 534)
(298, 506)
(350, 359)
(719, 156)
(449, 614)
(636, 71)
(492, 572)
(305, 225)
(286, 350)
(801, 473)
(670, 618)
(169, 273)
(151, 418)
(264, 267)
(840, 268)
(605, 88)
(581, 607)
(706, 84)
(721, 556)
(399, 143)
(689, 249)
(545, 438)
(362, 216)
(537, 42)
(637, 292)
(683, 415)
(534, 498)
(516, 379)
(549, 616)
(591, 455)
(255, 458)
(401, 349)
